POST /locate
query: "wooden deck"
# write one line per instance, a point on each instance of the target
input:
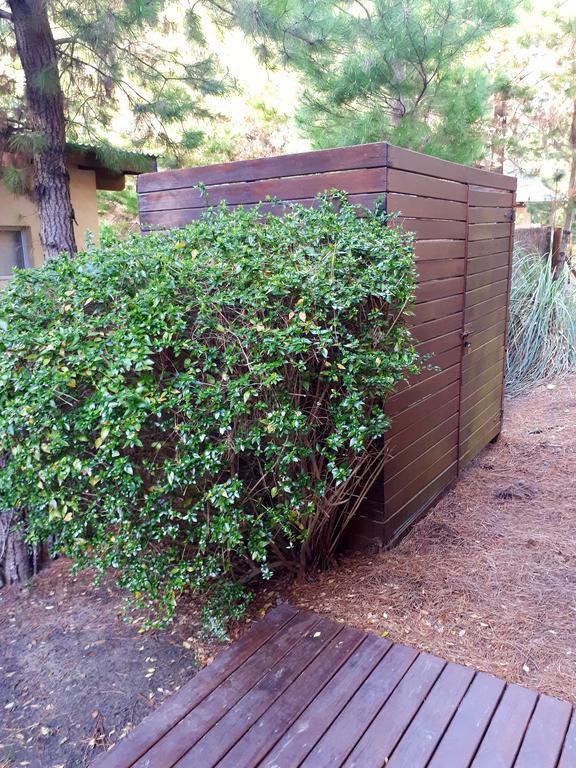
(300, 690)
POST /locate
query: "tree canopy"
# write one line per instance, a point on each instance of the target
(383, 69)
(81, 64)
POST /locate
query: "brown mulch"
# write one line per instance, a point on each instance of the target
(488, 578)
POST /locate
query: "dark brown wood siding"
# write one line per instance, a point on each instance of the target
(462, 220)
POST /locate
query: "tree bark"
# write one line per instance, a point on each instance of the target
(38, 56)
(571, 194)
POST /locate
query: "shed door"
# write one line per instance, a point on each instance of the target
(488, 267)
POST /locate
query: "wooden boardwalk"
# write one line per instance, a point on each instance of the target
(300, 690)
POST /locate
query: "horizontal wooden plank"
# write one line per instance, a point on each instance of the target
(483, 388)
(471, 447)
(482, 357)
(438, 289)
(475, 407)
(395, 483)
(407, 160)
(487, 231)
(398, 522)
(298, 164)
(485, 278)
(440, 344)
(479, 337)
(287, 188)
(426, 186)
(182, 217)
(486, 263)
(440, 249)
(439, 308)
(425, 207)
(434, 229)
(486, 247)
(492, 372)
(483, 308)
(439, 268)
(418, 484)
(431, 329)
(476, 419)
(491, 197)
(490, 215)
(408, 393)
(410, 423)
(485, 293)
(399, 459)
(488, 320)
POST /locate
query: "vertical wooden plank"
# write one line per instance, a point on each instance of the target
(545, 735)
(309, 727)
(339, 740)
(568, 758)
(467, 728)
(425, 731)
(502, 741)
(158, 723)
(191, 728)
(378, 742)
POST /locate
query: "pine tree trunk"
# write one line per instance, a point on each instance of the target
(45, 101)
(18, 560)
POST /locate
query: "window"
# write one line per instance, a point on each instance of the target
(12, 251)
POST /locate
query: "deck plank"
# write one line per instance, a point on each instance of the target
(328, 641)
(506, 731)
(545, 734)
(299, 690)
(159, 722)
(568, 758)
(307, 729)
(343, 734)
(277, 719)
(189, 730)
(459, 743)
(426, 730)
(378, 742)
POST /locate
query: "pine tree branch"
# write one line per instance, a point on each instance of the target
(5, 15)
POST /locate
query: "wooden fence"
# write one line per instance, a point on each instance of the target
(463, 221)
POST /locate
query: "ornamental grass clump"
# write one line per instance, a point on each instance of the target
(542, 323)
(198, 408)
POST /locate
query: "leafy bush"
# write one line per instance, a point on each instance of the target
(542, 323)
(199, 407)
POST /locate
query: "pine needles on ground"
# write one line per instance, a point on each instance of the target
(542, 323)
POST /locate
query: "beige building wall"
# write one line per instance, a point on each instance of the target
(20, 212)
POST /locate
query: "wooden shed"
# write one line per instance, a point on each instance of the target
(463, 219)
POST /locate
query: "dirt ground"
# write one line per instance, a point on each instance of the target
(74, 675)
(488, 579)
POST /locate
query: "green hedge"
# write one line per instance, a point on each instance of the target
(199, 407)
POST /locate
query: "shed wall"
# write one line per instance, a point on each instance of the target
(463, 221)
